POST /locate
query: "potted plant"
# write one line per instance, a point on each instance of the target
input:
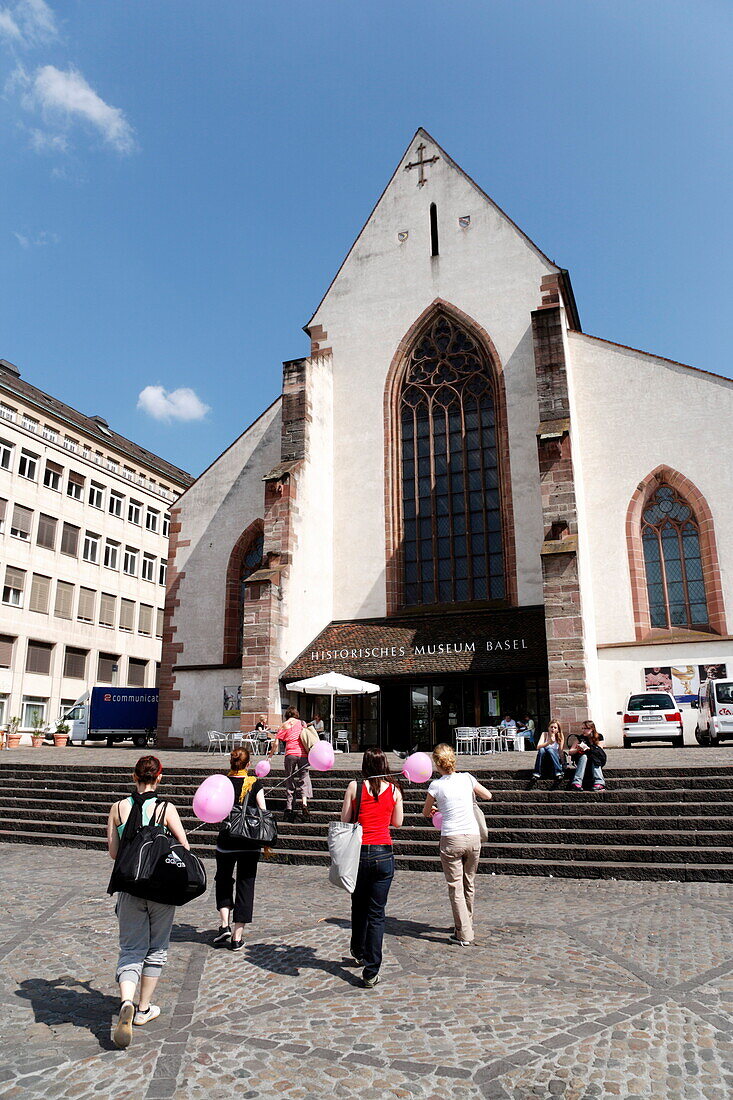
(12, 735)
(37, 731)
(61, 734)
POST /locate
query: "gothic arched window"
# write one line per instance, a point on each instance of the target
(674, 570)
(251, 562)
(244, 560)
(451, 515)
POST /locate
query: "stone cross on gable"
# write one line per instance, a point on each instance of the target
(420, 164)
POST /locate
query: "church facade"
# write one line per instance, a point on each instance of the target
(459, 496)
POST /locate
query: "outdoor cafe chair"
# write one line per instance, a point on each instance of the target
(489, 740)
(465, 740)
(216, 739)
(342, 739)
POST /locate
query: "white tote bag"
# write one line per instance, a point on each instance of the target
(344, 847)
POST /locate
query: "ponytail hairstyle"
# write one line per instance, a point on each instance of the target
(591, 731)
(147, 769)
(374, 763)
(444, 758)
(239, 760)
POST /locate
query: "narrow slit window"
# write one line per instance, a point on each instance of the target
(433, 229)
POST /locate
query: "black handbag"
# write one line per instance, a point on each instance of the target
(251, 825)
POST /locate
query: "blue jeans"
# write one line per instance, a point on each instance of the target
(368, 904)
(552, 753)
(582, 760)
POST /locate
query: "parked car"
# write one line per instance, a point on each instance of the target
(715, 712)
(652, 716)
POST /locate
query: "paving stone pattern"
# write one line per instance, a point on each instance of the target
(574, 990)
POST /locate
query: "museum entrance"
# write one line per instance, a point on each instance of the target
(420, 713)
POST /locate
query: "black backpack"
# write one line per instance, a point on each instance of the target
(151, 864)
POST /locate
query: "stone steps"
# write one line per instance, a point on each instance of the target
(664, 823)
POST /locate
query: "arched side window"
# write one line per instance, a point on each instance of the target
(673, 558)
(452, 539)
(244, 560)
(671, 540)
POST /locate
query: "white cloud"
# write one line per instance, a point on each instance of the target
(28, 23)
(180, 404)
(43, 141)
(66, 96)
(37, 241)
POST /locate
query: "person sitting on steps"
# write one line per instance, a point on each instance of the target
(551, 748)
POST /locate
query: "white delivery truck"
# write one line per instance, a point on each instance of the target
(714, 712)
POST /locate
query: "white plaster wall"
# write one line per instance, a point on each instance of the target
(634, 412)
(491, 272)
(201, 704)
(620, 671)
(214, 513)
(309, 587)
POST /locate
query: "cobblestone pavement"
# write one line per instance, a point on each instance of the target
(574, 990)
(91, 755)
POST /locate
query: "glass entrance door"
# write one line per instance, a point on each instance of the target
(419, 715)
(435, 711)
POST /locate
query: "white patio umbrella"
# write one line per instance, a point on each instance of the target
(333, 683)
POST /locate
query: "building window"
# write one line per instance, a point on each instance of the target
(116, 504)
(75, 485)
(129, 564)
(134, 512)
(674, 577)
(34, 712)
(50, 433)
(70, 540)
(107, 609)
(28, 465)
(64, 606)
(111, 554)
(148, 567)
(166, 525)
(162, 571)
(75, 663)
(451, 508)
(159, 616)
(6, 650)
(29, 423)
(46, 533)
(136, 671)
(13, 587)
(96, 495)
(244, 560)
(127, 615)
(52, 476)
(107, 667)
(40, 594)
(20, 526)
(151, 519)
(145, 621)
(90, 551)
(87, 601)
(38, 658)
(6, 454)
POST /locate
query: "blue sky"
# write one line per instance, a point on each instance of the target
(180, 180)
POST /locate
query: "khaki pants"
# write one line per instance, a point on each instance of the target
(459, 856)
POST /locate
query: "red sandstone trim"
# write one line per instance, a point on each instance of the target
(393, 448)
(708, 549)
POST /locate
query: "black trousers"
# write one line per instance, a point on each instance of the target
(241, 899)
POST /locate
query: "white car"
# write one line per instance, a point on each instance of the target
(715, 718)
(652, 716)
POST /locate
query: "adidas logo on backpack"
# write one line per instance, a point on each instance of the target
(175, 860)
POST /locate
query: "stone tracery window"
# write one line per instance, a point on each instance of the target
(251, 562)
(672, 556)
(244, 560)
(451, 514)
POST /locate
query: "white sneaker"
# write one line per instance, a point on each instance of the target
(122, 1034)
(151, 1013)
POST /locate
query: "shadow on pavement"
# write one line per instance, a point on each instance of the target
(188, 933)
(413, 929)
(68, 1001)
(282, 959)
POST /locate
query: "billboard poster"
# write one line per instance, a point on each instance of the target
(682, 680)
(232, 701)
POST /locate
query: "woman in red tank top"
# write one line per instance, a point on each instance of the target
(380, 807)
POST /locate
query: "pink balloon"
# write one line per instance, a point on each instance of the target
(262, 769)
(214, 799)
(418, 767)
(321, 757)
(438, 819)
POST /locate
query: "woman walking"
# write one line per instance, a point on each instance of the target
(460, 841)
(298, 786)
(587, 747)
(237, 857)
(551, 747)
(377, 804)
(145, 926)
